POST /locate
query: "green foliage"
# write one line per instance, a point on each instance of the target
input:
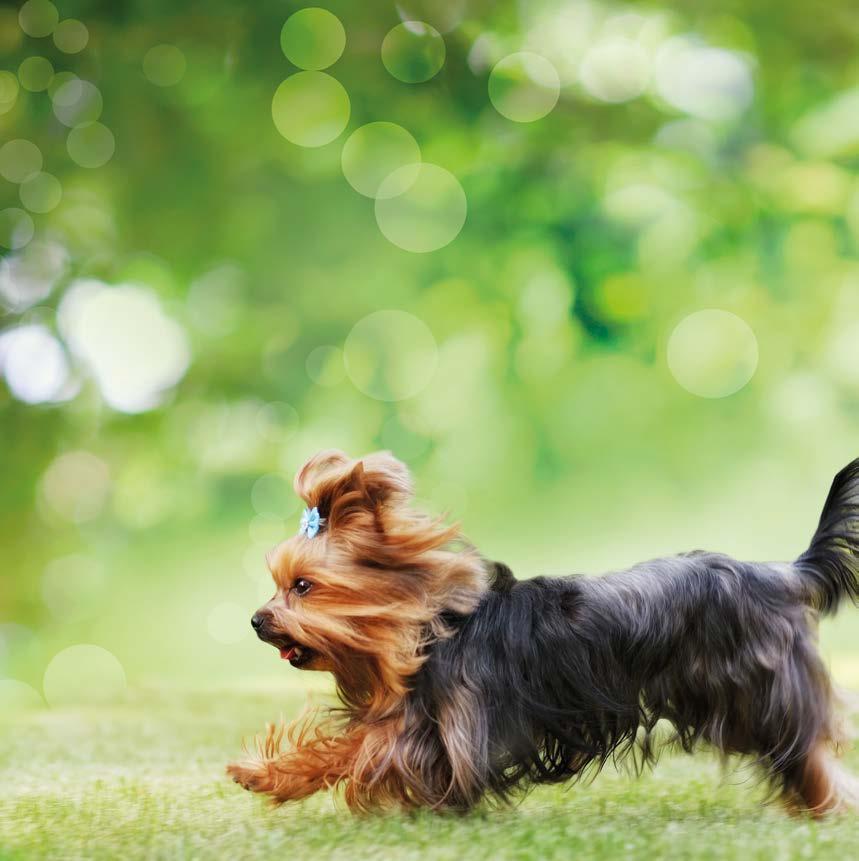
(683, 158)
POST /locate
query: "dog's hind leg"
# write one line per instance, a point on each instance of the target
(821, 785)
(805, 732)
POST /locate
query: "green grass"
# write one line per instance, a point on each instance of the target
(145, 780)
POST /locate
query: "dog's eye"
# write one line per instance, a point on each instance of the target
(302, 586)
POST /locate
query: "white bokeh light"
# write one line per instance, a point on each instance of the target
(76, 486)
(134, 350)
(59, 79)
(35, 74)
(16, 228)
(38, 18)
(84, 675)
(33, 363)
(19, 160)
(390, 355)
(313, 38)
(545, 300)
(41, 193)
(164, 65)
(373, 152)
(692, 135)
(221, 436)
(524, 87)
(428, 215)
(711, 83)
(444, 15)
(712, 353)
(801, 399)
(8, 91)
(18, 696)
(91, 145)
(214, 299)
(76, 102)
(72, 587)
(310, 109)
(615, 70)
(413, 52)
(71, 36)
(30, 276)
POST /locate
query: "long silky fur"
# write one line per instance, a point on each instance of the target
(459, 683)
(550, 677)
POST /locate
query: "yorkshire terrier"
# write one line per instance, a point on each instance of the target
(459, 682)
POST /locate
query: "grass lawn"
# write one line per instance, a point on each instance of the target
(145, 780)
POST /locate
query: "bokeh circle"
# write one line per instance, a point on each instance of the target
(38, 18)
(18, 696)
(8, 91)
(73, 586)
(35, 74)
(712, 353)
(19, 160)
(76, 486)
(524, 87)
(164, 65)
(428, 215)
(444, 15)
(16, 228)
(616, 70)
(310, 109)
(413, 52)
(41, 193)
(90, 145)
(84, 675)
(313, 38)
(390, 355)
(373, 152)
(77, 102)
(71, 36)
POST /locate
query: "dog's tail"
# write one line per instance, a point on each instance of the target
(830, 566)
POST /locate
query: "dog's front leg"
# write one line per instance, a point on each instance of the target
(318, 764)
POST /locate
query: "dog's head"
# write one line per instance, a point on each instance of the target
(363, 595)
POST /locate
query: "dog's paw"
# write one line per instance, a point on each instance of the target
(254, 777)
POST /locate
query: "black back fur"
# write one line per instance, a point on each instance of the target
(549, 677)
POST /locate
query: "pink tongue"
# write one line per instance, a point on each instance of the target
(288, 654)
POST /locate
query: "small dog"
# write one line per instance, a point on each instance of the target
(459, 683)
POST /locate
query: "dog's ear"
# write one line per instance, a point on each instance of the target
(342, 488)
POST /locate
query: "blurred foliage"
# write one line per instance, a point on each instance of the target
(551, 420)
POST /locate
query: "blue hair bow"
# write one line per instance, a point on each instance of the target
(310, 522)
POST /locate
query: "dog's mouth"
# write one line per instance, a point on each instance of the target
(290, 650)
(295, 653)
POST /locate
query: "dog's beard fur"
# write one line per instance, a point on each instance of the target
(459, 683)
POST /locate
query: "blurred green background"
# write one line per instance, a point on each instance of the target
(589, 268)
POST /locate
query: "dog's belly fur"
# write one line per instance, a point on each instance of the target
(549, 676)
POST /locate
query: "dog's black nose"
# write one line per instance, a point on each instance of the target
(256, 621)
